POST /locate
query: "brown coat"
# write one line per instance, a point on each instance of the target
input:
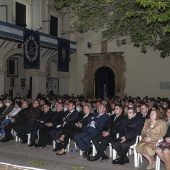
(155, 133)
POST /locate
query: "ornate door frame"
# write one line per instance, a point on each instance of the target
(115, 61)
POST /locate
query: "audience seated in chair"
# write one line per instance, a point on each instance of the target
(130, 128)
(71, 116)
(44, 117)
(108, 134)
(93, 128)
(16, 120)
(56, 120)
(153, 130)
(71, 129)
(4, 123)
(24, 127)
(163, 149)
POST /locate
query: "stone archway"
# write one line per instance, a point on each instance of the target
(115, 61)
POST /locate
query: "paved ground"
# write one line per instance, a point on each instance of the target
(20, 154)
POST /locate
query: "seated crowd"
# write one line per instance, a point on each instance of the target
(90, 121)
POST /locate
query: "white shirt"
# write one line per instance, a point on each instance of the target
(14, 112)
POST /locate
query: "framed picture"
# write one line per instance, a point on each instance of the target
(22, 82)
(12, 81)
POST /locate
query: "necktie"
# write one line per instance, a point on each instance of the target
(5, 110)
(115, 118)
(68, 115)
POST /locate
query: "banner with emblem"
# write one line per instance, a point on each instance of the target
(63, 55)
(31, 49)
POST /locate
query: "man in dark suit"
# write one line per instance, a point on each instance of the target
(44, 132)
(145, 113)
(94, 127)
(71, 116)
(24, 126)
(14, 121)
(131, 127)
(44, 117)
(109, 134)
(8, 109)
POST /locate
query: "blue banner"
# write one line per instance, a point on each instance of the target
(63, 55)
(31, 49)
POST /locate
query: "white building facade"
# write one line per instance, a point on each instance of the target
(36, 14)
(135, 74)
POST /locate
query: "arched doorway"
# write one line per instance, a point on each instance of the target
(115, 61)
(104, 82)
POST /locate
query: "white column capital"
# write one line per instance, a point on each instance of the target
(37, 73)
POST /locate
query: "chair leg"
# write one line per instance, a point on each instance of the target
(54, 144)
(75, 145)
(110, 149)
(38, 134)
(81, 152)
(68, 146)
(93, 150)
(29, 138)
(136, 163)
(157, 163)
(114, 153)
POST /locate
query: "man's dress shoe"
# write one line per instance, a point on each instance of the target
(31, 144)
(104, 158)
(116, 161)
(92, 158)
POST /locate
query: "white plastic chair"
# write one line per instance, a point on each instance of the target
(17, 139)
(136, 155)
(158, 161)
(112, 152)
(68, 146)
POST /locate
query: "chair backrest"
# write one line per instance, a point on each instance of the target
(160, 140)
(138, 139)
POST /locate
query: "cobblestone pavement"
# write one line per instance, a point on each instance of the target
(20, 154)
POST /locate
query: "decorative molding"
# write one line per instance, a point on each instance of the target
(62, 75)
(37, 73)
(104, 45)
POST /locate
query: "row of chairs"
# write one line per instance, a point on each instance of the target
(112, 152)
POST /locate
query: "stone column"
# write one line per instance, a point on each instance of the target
(2, 77)
(64, 81)
(38, 82)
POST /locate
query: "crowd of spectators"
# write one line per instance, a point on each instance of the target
(89, 120)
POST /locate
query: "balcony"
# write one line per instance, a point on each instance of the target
(14, 33)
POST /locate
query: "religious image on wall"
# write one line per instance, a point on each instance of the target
(31, 49)
(63, 55)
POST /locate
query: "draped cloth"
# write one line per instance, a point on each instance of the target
(63, 55)
(31, 49)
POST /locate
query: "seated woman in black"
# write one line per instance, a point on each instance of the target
(71, 129)
(163, 149)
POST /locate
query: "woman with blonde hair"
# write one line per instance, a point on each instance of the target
(153, 130)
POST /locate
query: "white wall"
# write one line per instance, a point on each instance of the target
(144, 72)
(21, 75)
